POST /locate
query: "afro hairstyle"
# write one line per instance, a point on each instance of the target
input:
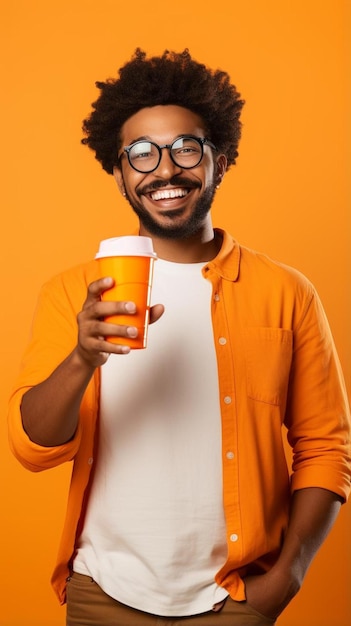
(172, 78)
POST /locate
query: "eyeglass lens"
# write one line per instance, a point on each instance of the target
(145, 156)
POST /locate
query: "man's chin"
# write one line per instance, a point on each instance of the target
(174, 224)
(178, 229)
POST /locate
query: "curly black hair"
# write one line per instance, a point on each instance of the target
(173, 78)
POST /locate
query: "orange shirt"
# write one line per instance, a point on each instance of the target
(277, 366)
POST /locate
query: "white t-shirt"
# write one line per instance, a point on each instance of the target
(154, 533)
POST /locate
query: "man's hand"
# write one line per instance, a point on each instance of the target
(49, 423)
(92, 346)
(270, 593)
(312, 514)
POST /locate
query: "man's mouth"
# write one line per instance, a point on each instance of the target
(175, 188)
(169, 194)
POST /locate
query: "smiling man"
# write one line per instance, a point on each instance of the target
(182, 508)
(185, 169)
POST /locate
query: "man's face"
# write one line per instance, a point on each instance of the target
(170, 202)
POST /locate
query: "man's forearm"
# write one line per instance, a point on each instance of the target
(313, 512)
(50, 410)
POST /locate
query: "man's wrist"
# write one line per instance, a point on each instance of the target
(288, 577)
(79, 360)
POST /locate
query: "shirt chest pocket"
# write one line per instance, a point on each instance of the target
(268, 353)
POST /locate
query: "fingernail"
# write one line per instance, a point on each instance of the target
(132, 331)
(130, 307)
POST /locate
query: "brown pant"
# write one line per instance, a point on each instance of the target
(88, 605)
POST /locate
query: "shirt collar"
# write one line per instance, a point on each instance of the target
(227, 261)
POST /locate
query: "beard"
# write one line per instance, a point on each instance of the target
(178, 229)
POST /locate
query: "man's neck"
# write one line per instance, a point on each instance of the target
(203, 246)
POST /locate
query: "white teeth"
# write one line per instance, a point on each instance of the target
(166, 194)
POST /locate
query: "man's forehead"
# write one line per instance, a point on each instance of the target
(161, 121)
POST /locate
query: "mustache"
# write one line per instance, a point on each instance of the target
(176, 181)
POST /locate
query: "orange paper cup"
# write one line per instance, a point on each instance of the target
(129, 261)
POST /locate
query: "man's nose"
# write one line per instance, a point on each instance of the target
(166, 167)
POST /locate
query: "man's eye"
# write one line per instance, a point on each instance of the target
(186, 152)
(141, 155)
(141, 150)
(187, 149)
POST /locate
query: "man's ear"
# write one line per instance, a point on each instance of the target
(118, 176)
(221, 168)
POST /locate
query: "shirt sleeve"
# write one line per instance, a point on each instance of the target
(53, 337)
(318, 415)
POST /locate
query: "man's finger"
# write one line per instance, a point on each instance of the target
(96, 288)
(156, 312)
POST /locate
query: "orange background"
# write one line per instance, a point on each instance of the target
(288, 196)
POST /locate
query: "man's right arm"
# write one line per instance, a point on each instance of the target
(50, 410)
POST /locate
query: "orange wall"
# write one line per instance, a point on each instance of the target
(288, 196)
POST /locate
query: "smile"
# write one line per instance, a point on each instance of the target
(166, 194)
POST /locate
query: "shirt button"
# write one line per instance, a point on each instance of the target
(227, 400)
(230, 455)
(90, 460)
(222, 341)
(234, 537)
(216, 297)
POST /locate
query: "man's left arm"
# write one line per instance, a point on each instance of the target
(318, 423)
(313, 512)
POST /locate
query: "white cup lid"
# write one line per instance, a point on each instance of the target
(126, 246)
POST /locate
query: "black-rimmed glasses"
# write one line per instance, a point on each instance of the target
(187, 151)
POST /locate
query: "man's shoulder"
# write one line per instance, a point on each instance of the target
(72, 282)
(266, 266)
(78, 272)
(264, 260)
(257, 268)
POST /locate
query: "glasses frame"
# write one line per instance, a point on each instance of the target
(201, 141)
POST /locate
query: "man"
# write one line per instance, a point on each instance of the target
(181, 508)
